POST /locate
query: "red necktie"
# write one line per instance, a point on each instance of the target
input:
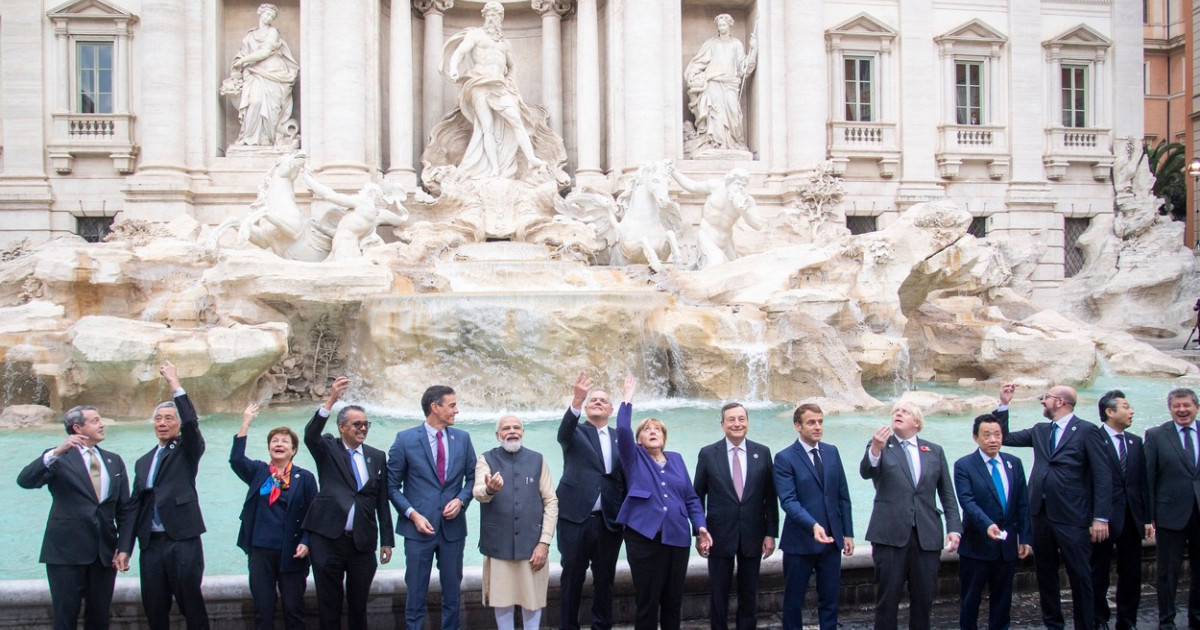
(441, 458)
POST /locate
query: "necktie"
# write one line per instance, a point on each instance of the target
(816, 455)
(738, 482)
(908, 454)
(153, 477)
(1123, 456)
(354, 467)
(441, 458)
(999, 483)
(1053, 436)
(605, 450)
(94, 472)
(1189, 447)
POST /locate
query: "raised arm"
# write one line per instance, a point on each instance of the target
(243, 466)
(189, 422)
(566, 429)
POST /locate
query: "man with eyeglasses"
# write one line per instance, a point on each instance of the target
(1070, 499)
(431, 470)
(1174, 499)
(349, 512)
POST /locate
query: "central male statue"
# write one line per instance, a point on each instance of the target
(480, 60)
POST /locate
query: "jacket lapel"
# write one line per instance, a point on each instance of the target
(894, 444)
(1068, 433)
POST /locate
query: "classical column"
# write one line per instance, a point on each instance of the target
(162, 119)
(807, 84)
(587, 94)
(347, 48)
(644, 108)
(400, 96)
(552, 13)
(432, 108)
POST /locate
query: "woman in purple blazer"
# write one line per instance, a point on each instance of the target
(660, 514)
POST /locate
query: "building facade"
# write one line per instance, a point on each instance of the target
(1011, 108)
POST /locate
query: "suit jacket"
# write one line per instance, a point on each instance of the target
(660, 500)
(981, 508)
(1072, 486)
(899, 503)
(412, 475)
(737, 526)
(807, 500)
(583, 478)
(1173, 482)
(302, 489)
(174, 491)
(1129, 491)
(339, 490)
(80, 528)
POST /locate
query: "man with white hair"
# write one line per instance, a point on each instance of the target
(517, 514)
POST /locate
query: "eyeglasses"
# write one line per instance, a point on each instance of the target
(361, 425)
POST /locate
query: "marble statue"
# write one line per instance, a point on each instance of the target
(276, 222)
(360, 215)
(727, 201)
(648, 225)
(262, 76)
(492, 133)
(715, 78)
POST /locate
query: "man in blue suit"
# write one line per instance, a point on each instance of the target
(431, 470)
(811, 484)
(995, 508)
(1070, 500)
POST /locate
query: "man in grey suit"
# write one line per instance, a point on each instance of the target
(905, 531)
(735, 482)
(1174, 488)
(90, 488)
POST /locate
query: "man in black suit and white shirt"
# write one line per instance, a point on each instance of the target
(350, 512)
(1070, 500)
(169, 524)
(735, 481)
(590, 494)
(1128, 526)
(90, 489)
(1174, 503)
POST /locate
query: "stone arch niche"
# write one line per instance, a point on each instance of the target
(697, 26)
(235, 19)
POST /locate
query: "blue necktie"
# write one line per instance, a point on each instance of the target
(354, 467)
(999, 483)
(154, 466)
(1053, 436)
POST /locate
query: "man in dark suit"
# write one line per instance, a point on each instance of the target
(811, 483)
(1070, 500)
(432, 472)
(90, 492)
(349, 512)
(735, 482)
(590, 494)
(1173, 482)
(905, 530)
(1127, 529)
(168, 523)
(996, 531)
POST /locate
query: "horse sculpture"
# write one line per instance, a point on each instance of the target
(276, 222)
(647, 222)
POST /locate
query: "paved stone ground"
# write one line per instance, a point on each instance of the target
(1026, 614)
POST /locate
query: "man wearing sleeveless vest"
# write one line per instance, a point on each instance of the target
(517, 515)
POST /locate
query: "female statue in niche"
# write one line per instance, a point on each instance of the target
(715, 77)
(263, 73)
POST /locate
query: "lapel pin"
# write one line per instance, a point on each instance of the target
(756, 456)
(172, 445)
(1073, 428)
(1009, 464)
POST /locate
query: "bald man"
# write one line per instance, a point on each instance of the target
(1070, 497)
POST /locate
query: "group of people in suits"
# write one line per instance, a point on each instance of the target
(1094, 493)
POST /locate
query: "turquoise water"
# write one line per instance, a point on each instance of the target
(691, 425)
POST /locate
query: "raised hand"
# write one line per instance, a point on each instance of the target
(583, 385)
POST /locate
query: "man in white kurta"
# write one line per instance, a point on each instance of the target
(518, 514)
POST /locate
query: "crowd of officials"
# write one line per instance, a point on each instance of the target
(1094, 493)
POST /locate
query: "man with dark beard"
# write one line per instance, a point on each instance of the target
(517, 514)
